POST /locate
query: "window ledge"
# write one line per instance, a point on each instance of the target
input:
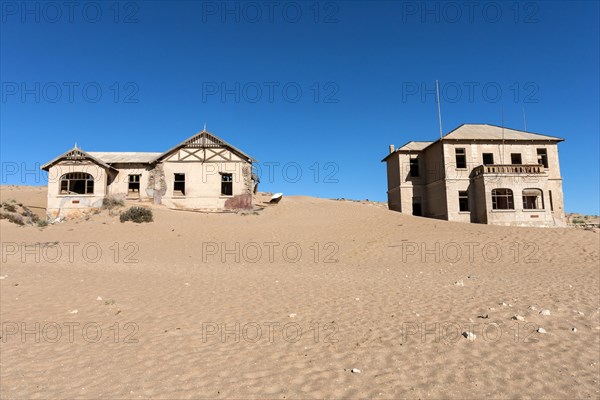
(76, 195)
(464, 212)
(534, 210)
(503, 211)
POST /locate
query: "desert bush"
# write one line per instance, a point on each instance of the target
(137, 214)
(9, 206)
(578, 221)
(14, 218)
(112, 202)
(42, 223)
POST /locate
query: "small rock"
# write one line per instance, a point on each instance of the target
(503, 304)
(519, 318)
(532, 308)
(2, 277)
(579, 312)
(292, 315)
(99, 298)
(459, 283)
(469, 335)
(541, 330)
(574, 329)
(73, 312)
(187, 284)
(545, 312)
(355, 371)
(357, 299)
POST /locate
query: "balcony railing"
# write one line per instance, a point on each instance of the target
(499, 169)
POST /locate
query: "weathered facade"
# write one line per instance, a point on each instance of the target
(202, 172)
(479, 173)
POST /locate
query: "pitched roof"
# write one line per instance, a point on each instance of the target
(414, 146)
(75, 154)
(205, 139)
(481, 132)
(493, 132)
(112, 157)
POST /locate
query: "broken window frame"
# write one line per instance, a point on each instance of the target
(542, 155)
(533, 199)
(414, 167)
(226, 184)
(463, 201)
(460, 156)
(134, 183)
(74, 180)
(503, 199)
(178, 184)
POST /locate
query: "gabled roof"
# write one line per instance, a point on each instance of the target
(113, 157)
(494, 132)
(204, 139)
(76, 154)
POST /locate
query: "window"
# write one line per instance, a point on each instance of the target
(414, 166)
(515, 158)
(502, 199)
(550, 196)
(461, 158)
(533, 199)
(226, 185)
(76, 183)
(488, 158)
(463, 200)
(542, 157)
(134, 184)
(416, 206)
(179, 185)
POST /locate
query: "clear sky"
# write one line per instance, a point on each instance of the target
(316, 91)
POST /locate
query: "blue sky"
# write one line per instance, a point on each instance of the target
(316, 91)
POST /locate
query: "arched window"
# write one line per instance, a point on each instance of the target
(502, 199)
(77, 183)
(533, 199)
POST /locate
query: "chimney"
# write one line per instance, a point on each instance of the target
(391, 148)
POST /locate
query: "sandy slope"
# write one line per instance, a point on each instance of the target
(384, 307)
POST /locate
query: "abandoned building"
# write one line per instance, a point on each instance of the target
(202, 172)
(479, 173)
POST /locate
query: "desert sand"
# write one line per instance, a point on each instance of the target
(289, 301)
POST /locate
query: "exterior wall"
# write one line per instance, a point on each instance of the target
(519, 216)
(119, 181)
(393, 183)
(72, 205)
(203, 183)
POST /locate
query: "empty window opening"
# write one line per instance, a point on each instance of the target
(226, 184)
(134, 184)
(542, 157)
(77, 183)
(515, 158)
(533, 199)
(416, 206)
(461, 158)
(502, 199)
(463, 200)
(488, 158)
(550, 197)
(179, 185)
(414, 166)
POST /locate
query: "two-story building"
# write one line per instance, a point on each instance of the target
(479, 173)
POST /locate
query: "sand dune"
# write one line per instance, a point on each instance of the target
(285, 303)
